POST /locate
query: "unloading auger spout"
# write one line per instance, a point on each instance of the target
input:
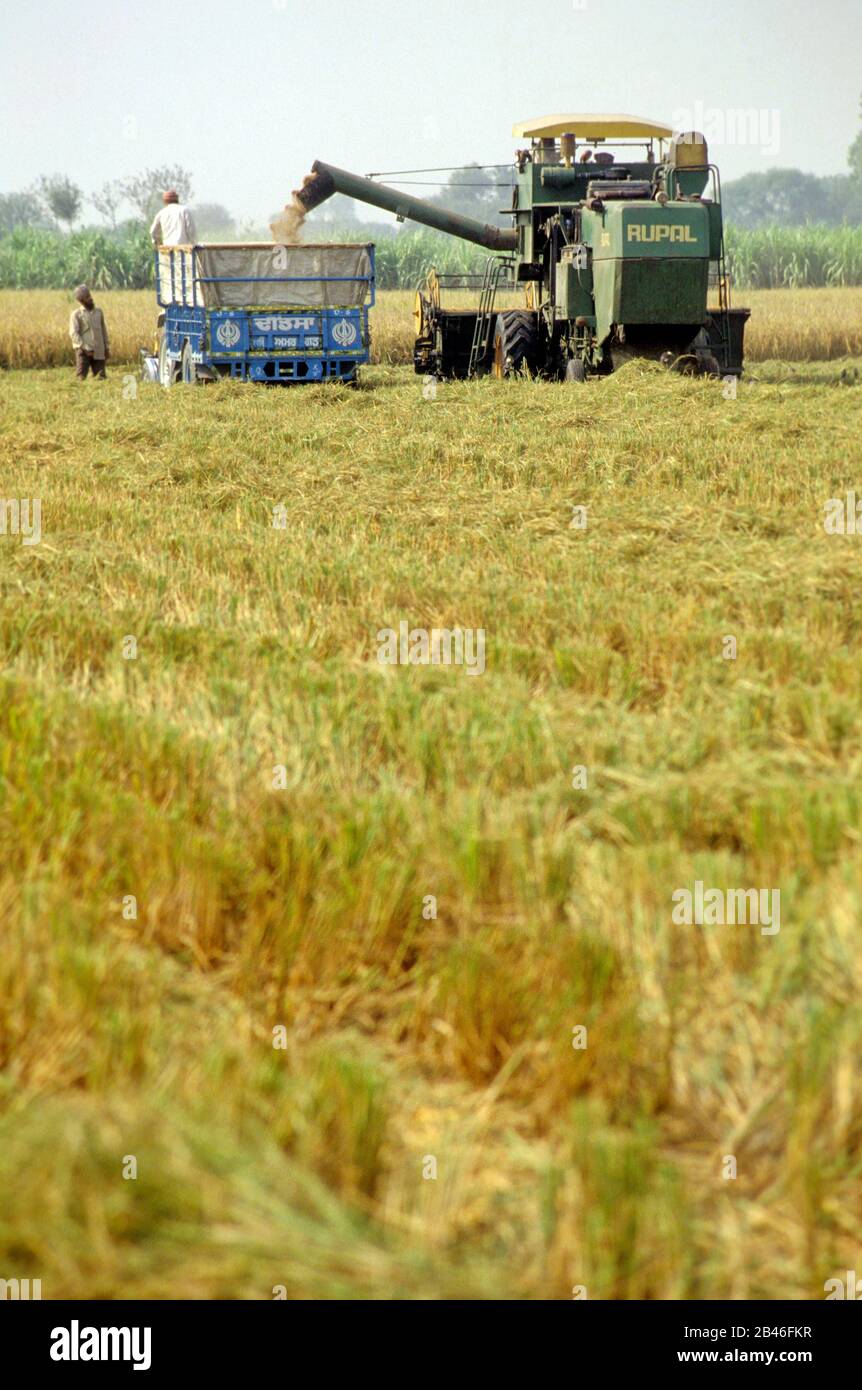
(326, 179)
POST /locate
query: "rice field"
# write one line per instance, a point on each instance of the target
(792, 325)
(803, 325)
(34, 326)
(346, 979)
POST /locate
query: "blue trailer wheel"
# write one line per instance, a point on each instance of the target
(149, 368)
(167, 368)
(188, 371)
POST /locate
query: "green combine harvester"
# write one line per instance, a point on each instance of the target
(617, 241)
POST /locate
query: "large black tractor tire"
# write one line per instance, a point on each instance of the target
(516, 343)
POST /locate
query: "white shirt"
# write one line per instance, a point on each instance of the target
(174, 226)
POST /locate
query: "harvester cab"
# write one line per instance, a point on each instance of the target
(617, 243)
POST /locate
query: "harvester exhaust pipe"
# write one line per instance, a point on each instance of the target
(326, 179)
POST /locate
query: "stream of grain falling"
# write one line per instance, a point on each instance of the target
(286, 226)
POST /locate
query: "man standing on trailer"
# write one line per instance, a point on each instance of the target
(89, 335)
(173, 225)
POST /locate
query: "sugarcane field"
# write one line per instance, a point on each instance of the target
(431, 685)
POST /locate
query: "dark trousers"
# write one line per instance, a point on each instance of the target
(86, 362)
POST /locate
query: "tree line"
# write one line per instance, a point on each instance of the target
(778, 197)
(43, 242)
(56, 202)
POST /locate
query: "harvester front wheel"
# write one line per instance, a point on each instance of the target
(709, 364)
(516, 343)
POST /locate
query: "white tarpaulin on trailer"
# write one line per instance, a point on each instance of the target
(261, 274)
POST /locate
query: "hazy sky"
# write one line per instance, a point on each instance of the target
(246, 93)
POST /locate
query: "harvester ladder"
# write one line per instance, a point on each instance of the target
(723, 281)
(724, 303)
(495, 268)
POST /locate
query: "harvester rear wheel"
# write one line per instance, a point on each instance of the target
(516, 343)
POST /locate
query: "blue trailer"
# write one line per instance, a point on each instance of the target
(262, 312)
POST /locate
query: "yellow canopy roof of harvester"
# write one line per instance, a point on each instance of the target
(591, 127)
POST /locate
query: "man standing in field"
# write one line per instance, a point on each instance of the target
(174, 224)
(89, 335)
